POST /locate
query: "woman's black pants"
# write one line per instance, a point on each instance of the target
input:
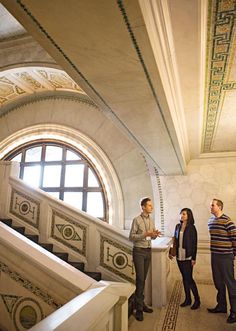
(186, 270)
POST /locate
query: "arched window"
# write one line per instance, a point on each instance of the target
(63, 172)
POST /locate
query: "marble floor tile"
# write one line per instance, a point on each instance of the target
(174, 318)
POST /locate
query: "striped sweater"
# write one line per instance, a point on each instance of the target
(223, 235)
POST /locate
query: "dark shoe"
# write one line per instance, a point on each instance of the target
(139, 315)
(146, 309)
(231, 318)
(185, 303)
(196, 305)
(217, 310)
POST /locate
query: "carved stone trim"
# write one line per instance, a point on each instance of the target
(25, 208)
(69, 232)
(117, 258)
(28, 285)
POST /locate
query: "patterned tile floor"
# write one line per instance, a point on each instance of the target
(175, 318)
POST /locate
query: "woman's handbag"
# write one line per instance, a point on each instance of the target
(172, 251)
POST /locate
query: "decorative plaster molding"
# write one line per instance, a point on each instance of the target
(16, 82)
(220, 49)
(28, 285)
(217, 155)
(157, 196)
(203, 54)
(157, 19)
(49, 95)
(24, 11)
(150, 83)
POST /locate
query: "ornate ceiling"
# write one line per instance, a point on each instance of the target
(220, 94)
(169, 64)
(18, 82)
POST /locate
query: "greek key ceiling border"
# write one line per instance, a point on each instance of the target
(220, 50)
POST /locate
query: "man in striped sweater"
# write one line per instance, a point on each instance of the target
(223, 250)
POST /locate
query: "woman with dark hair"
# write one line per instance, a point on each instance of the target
(185, 237)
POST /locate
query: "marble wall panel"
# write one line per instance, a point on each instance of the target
(25, 208)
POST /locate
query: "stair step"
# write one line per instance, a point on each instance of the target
(33, 237)
(6, 221)
(95, 275)
(19, 229)
(63, 256)
(77, 265)
(48, 247)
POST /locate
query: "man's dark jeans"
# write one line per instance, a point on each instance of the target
(223, 276)
(142, 259)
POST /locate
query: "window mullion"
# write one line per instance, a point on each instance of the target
(63, 163)
(85, 187)
(63, 171)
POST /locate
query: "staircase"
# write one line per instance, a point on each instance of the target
(49, 247)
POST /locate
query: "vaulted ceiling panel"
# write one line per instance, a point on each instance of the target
(104, 46)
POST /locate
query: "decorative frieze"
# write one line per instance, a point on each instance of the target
(28, 285)
(221, 51)
(117, 258)
(9, 90)
(28, 80)
(24, 312)
(69, 232)
(25, 208)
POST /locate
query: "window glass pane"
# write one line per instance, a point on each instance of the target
(92, 180)
(74, 199)
(53, 153)
(95, 204)
(52, 176)
(74, 175)
(17, 158)
(54, 194)
(72, 156)
(32, 175)
(33, 154)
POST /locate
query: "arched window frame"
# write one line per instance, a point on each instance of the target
(61, 188)
(83, 143)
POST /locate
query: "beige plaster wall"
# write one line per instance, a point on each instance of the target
(205, 179)
(23, 51)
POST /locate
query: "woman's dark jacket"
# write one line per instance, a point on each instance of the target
(189, 240)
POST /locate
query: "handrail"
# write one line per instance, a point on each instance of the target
(108, 301)
(44, 259)
(67, 207)
(97, 305)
